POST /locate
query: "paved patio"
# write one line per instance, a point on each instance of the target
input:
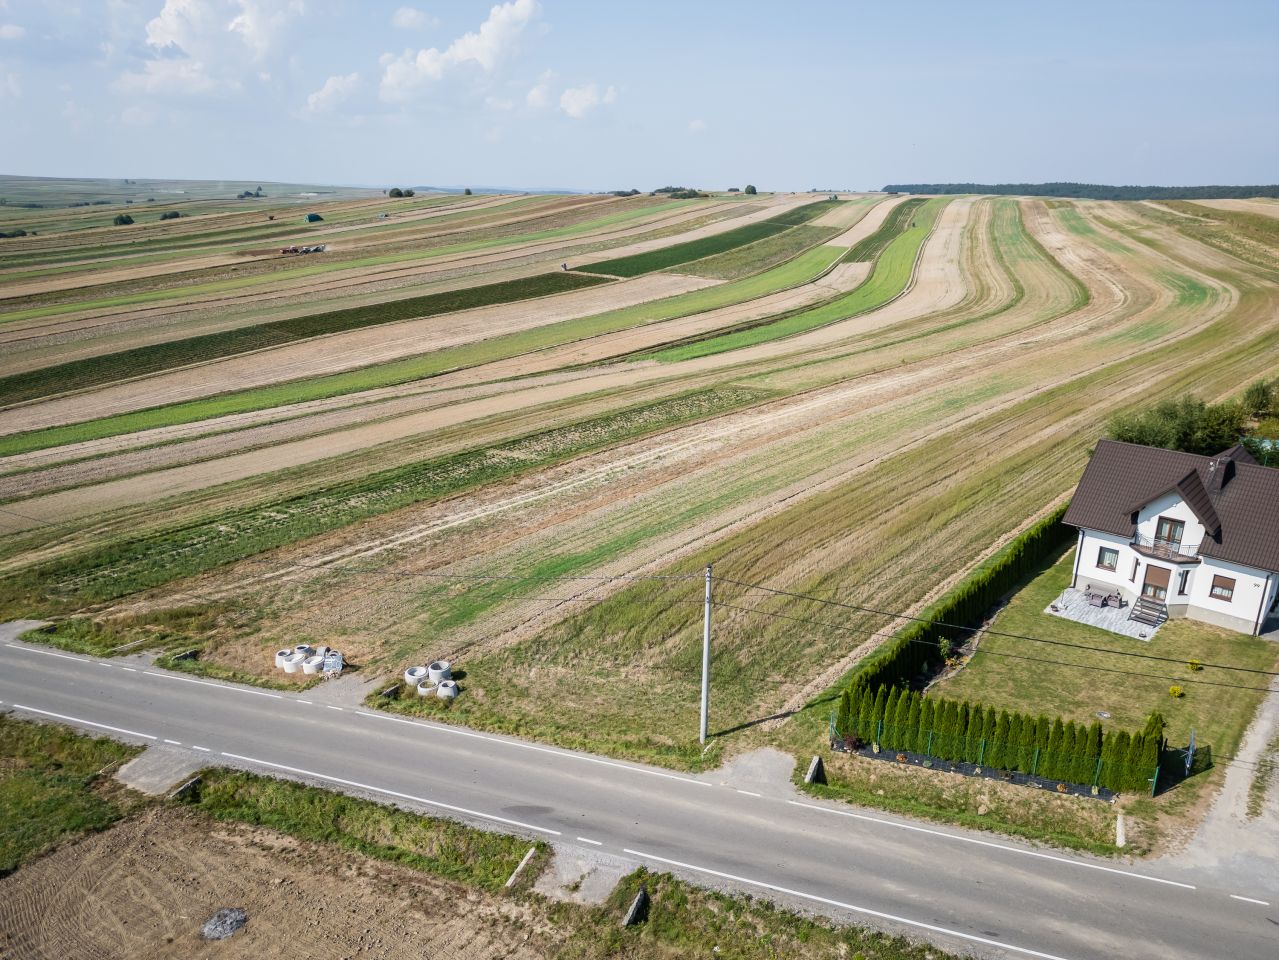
(1073, 605)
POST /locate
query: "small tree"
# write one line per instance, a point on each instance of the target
(1258, 398)
(408, 193)
(122, 220)
(750, 188)
(466, 192)
(396, 192)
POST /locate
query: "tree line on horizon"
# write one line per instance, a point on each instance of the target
(1091, 191)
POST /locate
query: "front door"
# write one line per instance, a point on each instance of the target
(1156, 585)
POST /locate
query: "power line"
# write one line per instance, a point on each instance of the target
(526, 578)
(1013, 656)
(993, 633)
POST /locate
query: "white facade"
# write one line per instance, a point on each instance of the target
(1190, 590)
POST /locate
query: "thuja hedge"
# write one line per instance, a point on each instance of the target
(898, 719)
(924, 643)
(878, 706)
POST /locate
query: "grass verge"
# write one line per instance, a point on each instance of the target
(52, 787)
(1077, 823)
(440, 847)
(682, 920)
(1263, 778)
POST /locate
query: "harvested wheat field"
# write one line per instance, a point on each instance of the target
(462, 428)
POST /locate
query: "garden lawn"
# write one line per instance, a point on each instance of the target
(1078, 685)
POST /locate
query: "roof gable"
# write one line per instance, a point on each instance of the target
(1236, 500)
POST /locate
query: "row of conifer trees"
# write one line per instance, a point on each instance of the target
(900, 719)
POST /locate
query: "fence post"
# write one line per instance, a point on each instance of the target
(929, 748)
(1154, 781)
(981, 753)
(1096, 774)
(1034, 764)
(879, 736)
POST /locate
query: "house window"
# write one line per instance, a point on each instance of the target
(1183, 582)
(1107, 558)
(1168, 532)
(1223, 588)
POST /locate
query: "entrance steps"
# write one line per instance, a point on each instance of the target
(1148, 611)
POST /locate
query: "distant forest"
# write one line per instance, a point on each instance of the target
(1089, 191)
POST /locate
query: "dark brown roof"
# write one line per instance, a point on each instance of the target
(1240, 509)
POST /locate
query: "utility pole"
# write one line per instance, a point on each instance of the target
(706, 655)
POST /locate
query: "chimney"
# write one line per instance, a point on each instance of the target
(1219, 472)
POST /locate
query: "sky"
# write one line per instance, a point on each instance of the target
(606, 94)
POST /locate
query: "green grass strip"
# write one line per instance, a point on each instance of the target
(869, 248)
(800, 270)
(46, 779)
(111, 367)
(639, 263)
(887, 280)
(441, 847)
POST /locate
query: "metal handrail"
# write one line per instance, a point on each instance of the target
(1164, 547)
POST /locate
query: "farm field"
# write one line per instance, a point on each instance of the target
(466, 429)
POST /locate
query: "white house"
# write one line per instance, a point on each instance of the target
(1179, 535)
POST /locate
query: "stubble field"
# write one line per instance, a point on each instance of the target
(855, 399)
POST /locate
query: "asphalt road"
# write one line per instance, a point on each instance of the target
(969, 892)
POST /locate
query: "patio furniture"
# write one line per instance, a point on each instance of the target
(1096, 600)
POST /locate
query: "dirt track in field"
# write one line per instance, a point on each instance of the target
(866, 225)
(145, 887)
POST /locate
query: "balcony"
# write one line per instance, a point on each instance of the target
(1172, 551)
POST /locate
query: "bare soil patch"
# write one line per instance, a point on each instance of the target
(146, 887)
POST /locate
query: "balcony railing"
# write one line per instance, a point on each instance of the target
(1171, 550)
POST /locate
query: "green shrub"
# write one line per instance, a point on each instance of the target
(1258, 398)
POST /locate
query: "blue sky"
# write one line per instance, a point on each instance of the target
(608, 94)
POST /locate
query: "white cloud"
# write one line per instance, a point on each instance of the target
(137, 116)
(11, 31)
(408, 18)
(335, 90)
(260, 22)
(486, 48)
(204, 46)
(577, 102)
(539, 95)
(697, 126)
